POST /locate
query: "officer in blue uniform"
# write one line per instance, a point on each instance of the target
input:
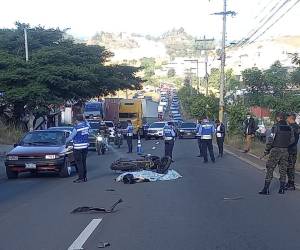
(80, 137)
(129, 135)
(169, 137)
(207, 131)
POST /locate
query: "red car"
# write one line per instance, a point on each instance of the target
(41, 151)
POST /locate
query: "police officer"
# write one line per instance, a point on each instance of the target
(198, 135)
(80, 137)
(277, 146)
(207, 130)
(291, 119)
(129, 135)
(169, 137)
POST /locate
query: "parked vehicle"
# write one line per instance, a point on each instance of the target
(188, 129)
(156, 130)
(41, 151)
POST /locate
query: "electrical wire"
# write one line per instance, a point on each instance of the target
(264, 23)
(276, 21)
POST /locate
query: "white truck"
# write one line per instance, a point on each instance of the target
(150, 111)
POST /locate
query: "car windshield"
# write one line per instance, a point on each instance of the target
(128, 115)
(90, 107)
(188, 125)
(157, 125)
(62, 128)
(44, 138)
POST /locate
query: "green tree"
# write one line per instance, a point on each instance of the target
(236, 116)
(148, 65)
(58, 71)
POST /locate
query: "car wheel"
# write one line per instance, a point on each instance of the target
(66, 169)
(11, 174)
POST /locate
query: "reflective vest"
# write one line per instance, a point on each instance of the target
(169, 134)
(129, 130)
(81, 139)
(207, 131)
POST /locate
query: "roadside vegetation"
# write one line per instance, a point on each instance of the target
(9, 133)
(58, 71)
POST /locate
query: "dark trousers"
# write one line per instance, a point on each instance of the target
(200, 145)
(129, 143)
(207, 144)
(80, 161)
(220, 142)
(169, 145)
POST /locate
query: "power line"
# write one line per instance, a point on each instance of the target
(276, 21)
(263, 9)
(264, 23)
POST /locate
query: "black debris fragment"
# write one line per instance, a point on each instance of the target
(96, 209)
(103, 244)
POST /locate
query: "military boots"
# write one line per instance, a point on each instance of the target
(265, 190)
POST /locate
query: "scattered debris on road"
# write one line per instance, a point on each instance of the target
(233, 198)
(96, 209)
(110, 190)
(153, 148)
(103, 244)
(157, 142)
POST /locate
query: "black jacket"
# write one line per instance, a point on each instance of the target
(249, 126)
(296, 131)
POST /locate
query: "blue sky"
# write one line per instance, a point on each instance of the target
(148, 17)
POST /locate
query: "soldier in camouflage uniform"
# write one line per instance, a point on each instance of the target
(277, 146)
(291, 119)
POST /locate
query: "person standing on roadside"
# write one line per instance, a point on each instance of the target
(207, 130)
(220, 135)
(129, 136)
(198, 135)
(80, 137)
(249, 132)
(281, 137)
(291, 119)
(169, 138)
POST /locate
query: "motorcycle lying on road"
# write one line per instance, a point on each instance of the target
(146, 162)
(118, 141)
(101, 144)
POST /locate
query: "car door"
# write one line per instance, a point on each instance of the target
(70, 148)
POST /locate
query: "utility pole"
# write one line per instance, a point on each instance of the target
(197, 73)
(206, 60)
(223, 57)
(26, 45)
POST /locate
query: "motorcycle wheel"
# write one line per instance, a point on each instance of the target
(163, 167)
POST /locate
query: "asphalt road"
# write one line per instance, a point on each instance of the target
(186, 214)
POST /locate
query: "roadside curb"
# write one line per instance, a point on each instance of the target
(257, 166)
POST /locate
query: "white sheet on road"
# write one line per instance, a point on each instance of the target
(152, 176)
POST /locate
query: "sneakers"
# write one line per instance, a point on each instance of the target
(79, 180)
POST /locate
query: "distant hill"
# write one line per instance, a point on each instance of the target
(173, 43)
